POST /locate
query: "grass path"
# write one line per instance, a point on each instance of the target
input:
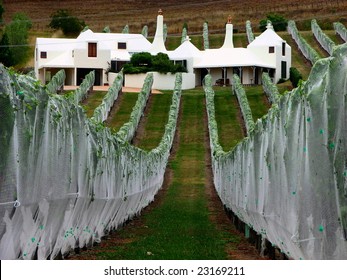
(120, 113)
(187, 220)
(152, 124)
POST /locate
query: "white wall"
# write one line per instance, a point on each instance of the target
(160, 81)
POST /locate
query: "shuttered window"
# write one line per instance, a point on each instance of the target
(92, 49)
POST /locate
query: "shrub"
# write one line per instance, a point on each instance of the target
(16, 36)
(278, 22)
(295, 76)
(70, 25)
(144, 62)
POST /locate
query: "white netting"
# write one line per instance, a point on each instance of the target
(341, 30)
(85, 87)
(288, 179)
(243, 101)
(126, 29)
(184, 35)
(57, 82)
(303, 46)
(102, 111)
(127, 131)
(322, 38)
(250, 35)
(144, 31)
(65, 181)
(205, 36)
(270, 88)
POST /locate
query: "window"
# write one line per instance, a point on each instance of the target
(117, 65)
(271, 49)
(283, 48)
(43, 54)
(284, 70)
(182, 62)
(92, 49)
(122, 46)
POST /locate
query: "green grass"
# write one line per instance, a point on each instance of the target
(115, 121)
(229, 129)
(156, 121)
(93, 100)
(256, 98)
(179, 228)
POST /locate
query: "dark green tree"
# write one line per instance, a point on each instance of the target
(278, 22)
(70, 25)
(6, 57)
(14, 43)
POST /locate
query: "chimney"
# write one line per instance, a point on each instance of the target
(158, 42)
(228, 41)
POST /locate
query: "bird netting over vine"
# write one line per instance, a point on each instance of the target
(288, 179)
(66, 180)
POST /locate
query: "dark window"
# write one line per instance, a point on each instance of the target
(182, 62)
(117, 65)
(92, 49)
(122, 46)
(43, 54)
(271, 49)
(284, 69)
(283, 48)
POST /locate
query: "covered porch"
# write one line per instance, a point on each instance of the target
(222, 76)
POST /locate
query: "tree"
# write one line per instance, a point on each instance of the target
(15, 48)
(6, 57)
(278, 22)
(70, 25)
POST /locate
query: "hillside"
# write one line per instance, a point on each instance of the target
(137, 13)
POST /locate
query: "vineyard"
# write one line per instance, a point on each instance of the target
(78, 166)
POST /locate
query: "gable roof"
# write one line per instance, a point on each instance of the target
(185, 50)
(267, 38)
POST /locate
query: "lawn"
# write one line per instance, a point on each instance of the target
(179, 227)
(227, 117)
(156, 119)
(120, 114)
(257, 101)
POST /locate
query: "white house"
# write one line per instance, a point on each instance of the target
(104, 51)
(89, 51)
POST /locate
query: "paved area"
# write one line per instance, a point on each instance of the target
(105, 88)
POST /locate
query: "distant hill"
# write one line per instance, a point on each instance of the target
(137, 13)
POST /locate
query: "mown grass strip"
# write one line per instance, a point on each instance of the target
(229, 128)
(92, 101)
(257, 101)
(156, 120)
(179, 227)
(121, 116)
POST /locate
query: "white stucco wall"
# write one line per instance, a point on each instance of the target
(160, 81)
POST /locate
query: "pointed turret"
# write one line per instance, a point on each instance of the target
(158, 42)
(228, 41)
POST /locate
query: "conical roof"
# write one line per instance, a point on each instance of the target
(185, 50)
